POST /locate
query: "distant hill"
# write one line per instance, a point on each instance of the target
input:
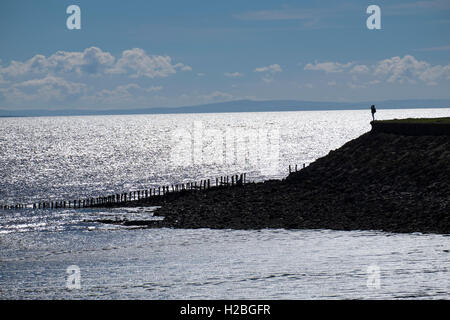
(238, 106)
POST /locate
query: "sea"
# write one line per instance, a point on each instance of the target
(64, 254)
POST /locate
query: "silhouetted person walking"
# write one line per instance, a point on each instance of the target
(373, 110)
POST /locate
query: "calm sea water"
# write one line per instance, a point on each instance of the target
(58, 158)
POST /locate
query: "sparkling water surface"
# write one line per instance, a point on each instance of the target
(56, 158)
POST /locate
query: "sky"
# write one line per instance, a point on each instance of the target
(132, 54)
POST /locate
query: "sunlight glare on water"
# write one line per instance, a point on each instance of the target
(63, 158)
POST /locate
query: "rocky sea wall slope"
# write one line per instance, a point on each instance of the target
(394, 178)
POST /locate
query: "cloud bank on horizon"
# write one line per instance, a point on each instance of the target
(184, 55)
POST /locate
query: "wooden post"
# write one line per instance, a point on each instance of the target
(289, 168)
(295, 168)
(304, 165)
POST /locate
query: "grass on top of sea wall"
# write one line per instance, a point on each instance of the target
(445, 120)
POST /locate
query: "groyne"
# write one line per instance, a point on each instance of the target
(152, 195)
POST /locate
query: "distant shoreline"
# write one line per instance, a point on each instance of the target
(237, 106)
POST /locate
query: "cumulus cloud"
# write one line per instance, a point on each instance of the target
(405, 69)
(137, 63)
(409, 69)
(93, 61)
(328, 67)
(360, 68)
(43, 79)
(274, 68)
(183, 67)
(233, 74)
(47, 89)
(269, 72)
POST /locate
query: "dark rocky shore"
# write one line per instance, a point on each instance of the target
(380, 181)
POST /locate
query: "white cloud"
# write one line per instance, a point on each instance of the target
(47, 89)
(329, 67)
(405, 69)
(93, 61)
(137, 63)
(332, 83)
(183, 67)
(409, 69)
(274, 68)
(233, 74)
(360, 68)
(269, 71)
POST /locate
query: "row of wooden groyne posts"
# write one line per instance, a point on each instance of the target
(158, 193)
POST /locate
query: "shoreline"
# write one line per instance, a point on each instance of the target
(394, 178)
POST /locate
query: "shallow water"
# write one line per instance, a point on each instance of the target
(70, 157)
(224, 264)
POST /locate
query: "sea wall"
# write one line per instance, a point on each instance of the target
(389, 179)
(411, 128)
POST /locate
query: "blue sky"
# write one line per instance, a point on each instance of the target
(173, 53)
